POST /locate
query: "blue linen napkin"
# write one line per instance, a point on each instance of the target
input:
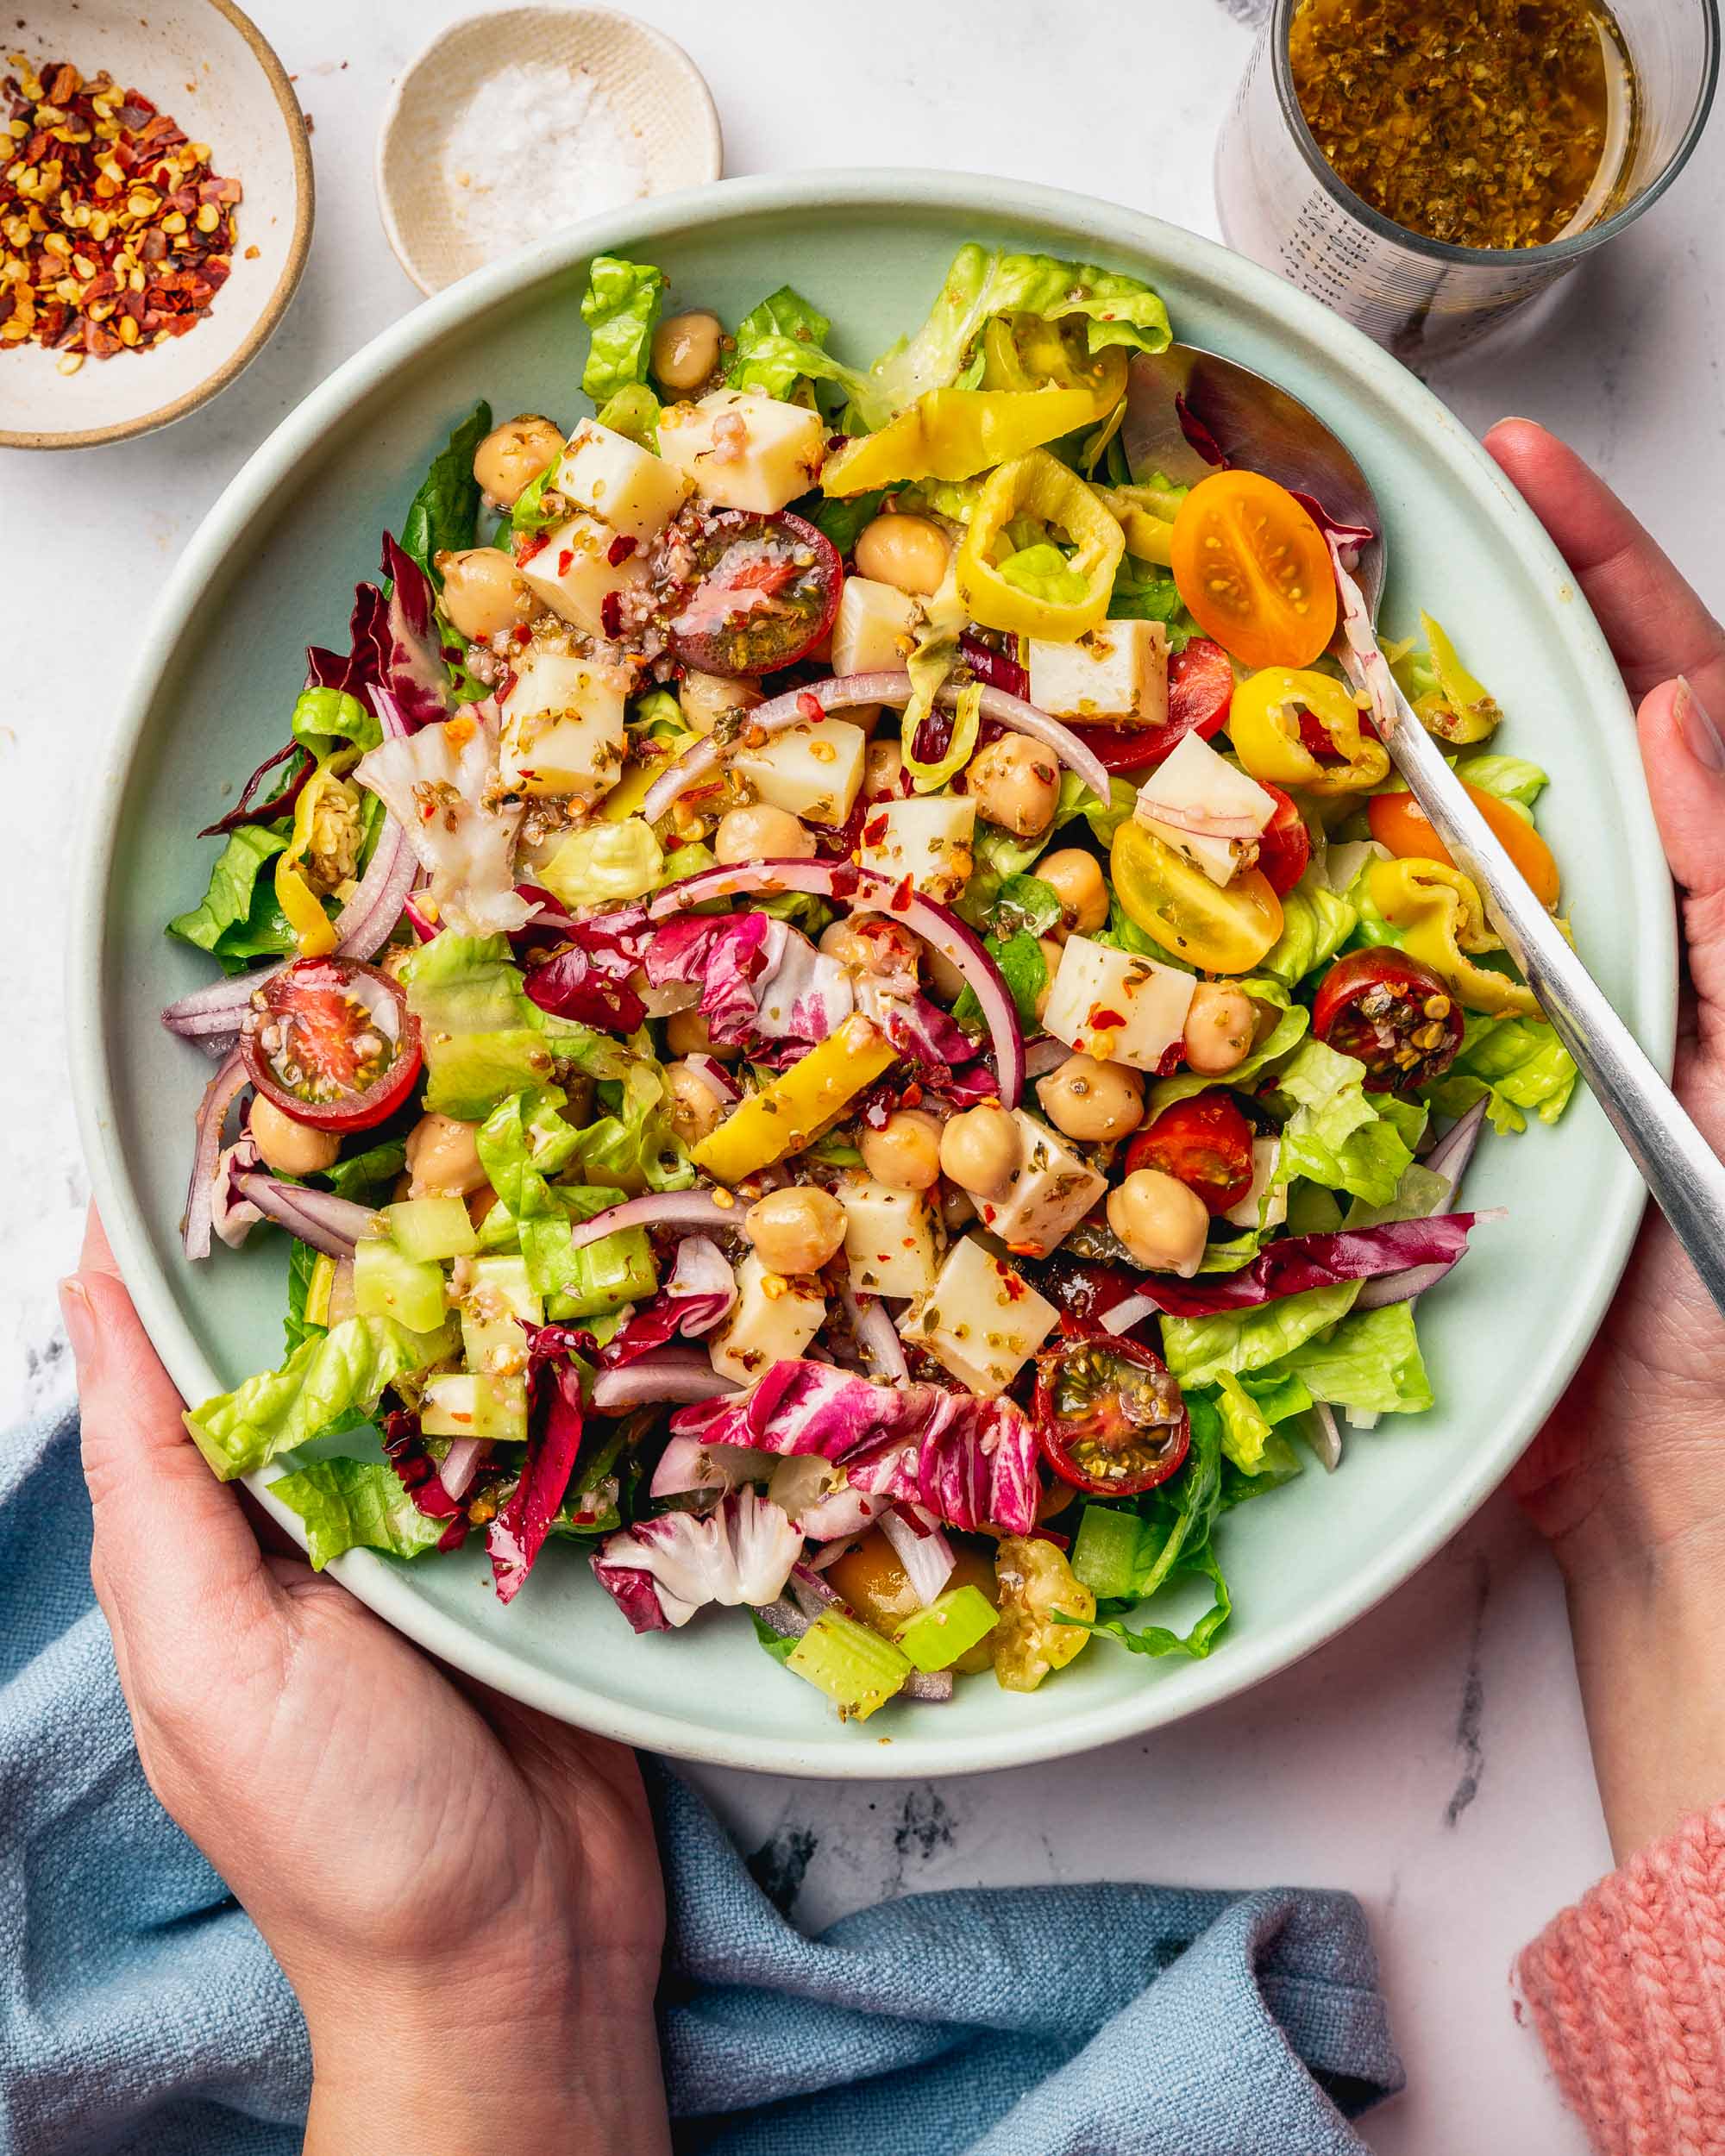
(140, 2015)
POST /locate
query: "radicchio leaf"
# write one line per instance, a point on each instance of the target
(760, 978)
(697, 1296)
(414, 669)
(554, 1422)
(588, 980)
(740, 1552)
(1299, 1262)
(404, 1449)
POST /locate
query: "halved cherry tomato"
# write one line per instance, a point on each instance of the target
(1200, 686)
(1398, 822)
(1392, 1013)
(1284, 846)
(1109, 1417)
(764, 592)
(1204, 1143)
(1254, 571)
(331, 1043)
(1221, 930)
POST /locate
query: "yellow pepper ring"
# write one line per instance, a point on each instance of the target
(953, 433)
(1263, 726)
(1039, 488)
(1438, 916)
(293, 894)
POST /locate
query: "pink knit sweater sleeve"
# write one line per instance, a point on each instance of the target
(1626, 1991)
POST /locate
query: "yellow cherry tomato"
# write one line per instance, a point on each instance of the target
(1398, 822)
(1219, 929)
(1253, 569)
(1282, 718)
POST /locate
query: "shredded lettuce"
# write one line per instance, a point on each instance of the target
(1510, 778)
(619, 307)
(1512, 1065)
(1024, 969)
(522, 1144)
(356, 1505)
(325, 720)
(1315, 923)
(841, 516)
(1199, 1350)
(444, 513)
(1337, 1134)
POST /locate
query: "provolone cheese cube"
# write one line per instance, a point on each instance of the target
(742, 450)
(1245, 1214)
(926, 839)
(606, 475)
(773, 1320)
(562, 727)
(1194, 777)
(814, 771)
(888, 1238)
(1117, 1006)
(1118, 671)
(981, 1320)
(874, 629)
(1050, 1194)
(573, 573)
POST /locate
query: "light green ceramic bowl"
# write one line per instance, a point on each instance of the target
(272, 570)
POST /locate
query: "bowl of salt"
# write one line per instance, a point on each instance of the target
(510, 126)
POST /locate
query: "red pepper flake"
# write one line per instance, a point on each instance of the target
(566, 561)
(611, 614)
(902, 895)
(619, 549)
(810, 708)
(875, 831)
(1099, 1020)
(529, 545)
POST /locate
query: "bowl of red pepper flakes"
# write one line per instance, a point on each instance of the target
(155, 215)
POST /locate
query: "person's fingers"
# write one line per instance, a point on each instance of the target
(1653, 621)
(1684, 756)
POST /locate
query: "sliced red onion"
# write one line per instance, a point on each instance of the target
(1131, 1311)
(455, 1470)
(876, 1333)
(1450, 1156)
(1205, 825)
(891, 688)
(933, 1687)
(713, 1072)
(1044, 1055)
(328, 1223)
(924, 1553)
(417, 918)
(212, 1113)
(670, 1374)
(810, 1593)
(1324, 1436)
(391, 717)
(687, 1464)
(782, 1617)
(864, 891)
(662, 1209)
(1399, 1287)
(366, 922)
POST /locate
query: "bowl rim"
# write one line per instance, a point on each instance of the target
(298, 248)
(670, 53)
(1251, 1658)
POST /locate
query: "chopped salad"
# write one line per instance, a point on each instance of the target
(840, 1004)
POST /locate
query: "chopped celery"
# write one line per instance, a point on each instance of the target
(463, 1405)
(1105, 1554)
(857, 1668)
(498, 1298)
(432, 1228)
(389, 1284)
(951, 1625)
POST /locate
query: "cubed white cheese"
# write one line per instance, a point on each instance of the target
(562, 727)
(1117, 1006)
(742, 450)
(814, 771)
(573, 573)
(1194, 777)
(888, 1238)
(1118, 671)
(1245, 1214)
(608, 476)
(1050, 1194)
(981, 1320)
(875, 627)
(926, 839)
(773, 1322)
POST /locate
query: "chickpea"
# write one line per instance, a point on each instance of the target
(909, 552)
(761, 834)
(1051, 958)
(442, 1157)
(1163, 1224)
(512, 456)
(1015, 782)
(1092, 1101)
(695, 1109)
(687, 1034)
(1220, 1022)
(956, 1208)
(685, 349)
(884, 948)
(795, 1230)
(288, 1147)
(707, 698)
(1075, 878)
(482, 594)
(904, 1152)
(982, 1151)
(883, 764)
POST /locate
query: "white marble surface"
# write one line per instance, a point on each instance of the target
(1434, 1759)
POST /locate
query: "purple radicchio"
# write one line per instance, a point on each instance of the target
(660, 1572)
(554, 1422)
(405, 1451)
(760, 978)
(414, 671)
(588, 979)
(697, 1296)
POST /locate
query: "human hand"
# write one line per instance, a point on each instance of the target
(464, 1893)
(1627, 1478)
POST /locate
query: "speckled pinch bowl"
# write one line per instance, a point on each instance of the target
(207, 65)
(271, 568)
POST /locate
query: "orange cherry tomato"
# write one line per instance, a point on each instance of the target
(1254, 571)
(1398, 822)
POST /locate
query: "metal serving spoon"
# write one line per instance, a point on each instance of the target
(1262, 427)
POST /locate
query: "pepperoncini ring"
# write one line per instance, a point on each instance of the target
(1264, 725)
(1435, 913)
(1039, 489)
(311, 925)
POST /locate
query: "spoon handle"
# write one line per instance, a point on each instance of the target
(1686, 1177)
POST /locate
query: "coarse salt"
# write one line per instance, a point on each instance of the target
(536, 147)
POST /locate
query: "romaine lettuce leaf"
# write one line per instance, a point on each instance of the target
(330, 1381)
(1315, 923)
(1372, 1362)
(1512, 1065)
(1510, 778)
(1199, 1350)
(1339, 1134)
(302, 1263)
(634, 413)
(634, 1143)
(522, 1144)
(483, 1039)
(325, 720)
(782, 343)
(1249, 1408)
(368, 1176)
(356, 1505)
(444, 513)
(619, 307)
(235, 919)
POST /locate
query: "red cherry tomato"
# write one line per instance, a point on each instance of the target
(331, 1043)
(1080, 1289)
(763, 594)
(1285, 847)
(1393, 1013)
(1200, 686)
(1109, 1417)
(1204, 1143)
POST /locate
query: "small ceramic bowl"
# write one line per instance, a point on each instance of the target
(656, 94)
(207, 65)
